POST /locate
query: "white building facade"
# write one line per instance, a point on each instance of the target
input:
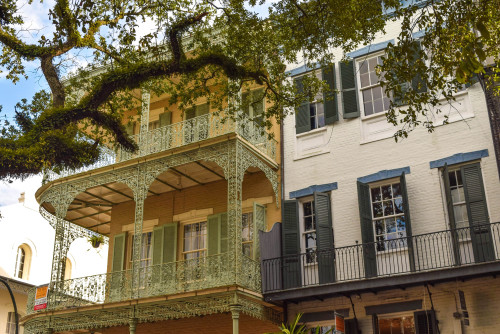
(26, 247)
(397, 237)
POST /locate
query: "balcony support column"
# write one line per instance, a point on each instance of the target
(146, 98)
(133, 325)
(234, 176)
(235, 314)
(64, 236)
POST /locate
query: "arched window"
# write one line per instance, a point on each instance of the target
(23, 259)
(67, 269)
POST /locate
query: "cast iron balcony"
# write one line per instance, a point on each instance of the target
(158, 280)
(414, 260)
(195, 130)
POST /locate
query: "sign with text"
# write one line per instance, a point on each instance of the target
(41, 297)
(339, 324)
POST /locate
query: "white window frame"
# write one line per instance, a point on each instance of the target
(252, 229)
(379, 184)
(302, 230)
(358, 62)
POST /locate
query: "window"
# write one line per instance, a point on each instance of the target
(374, 98)
(11, 323)
(458, 198)
(247, 236)
(396, 325)
(67, 269)
(308, 225)
(146, 252)
(253, 105)
(195, 240)
(153, 125)
(20, 259)
(388, 216)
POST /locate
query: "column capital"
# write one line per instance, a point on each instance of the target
(235, 310)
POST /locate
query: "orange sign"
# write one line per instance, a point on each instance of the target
(339, 324)
(41, 297)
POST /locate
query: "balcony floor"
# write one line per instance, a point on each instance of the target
(395, 281)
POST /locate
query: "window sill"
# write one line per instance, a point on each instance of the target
(312, 132)
(391, 251)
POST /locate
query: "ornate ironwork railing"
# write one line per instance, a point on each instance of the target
(180, 134)
(158, 280)
(418, 253)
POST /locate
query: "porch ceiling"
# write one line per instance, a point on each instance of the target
(92, 208)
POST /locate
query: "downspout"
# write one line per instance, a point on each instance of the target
(282, 179)
(432, 307)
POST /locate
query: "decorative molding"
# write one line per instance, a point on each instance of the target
(193, 215)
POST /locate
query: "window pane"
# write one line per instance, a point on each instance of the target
(307, 208)
(308, 223)
(367, 95)
(459, 178)
(388, 208)
(390, 225)
(377, 210)
(378, 106)
(376, 196)
(379, 227)
(386, 192)
(377, 92)
(363, 67)
(396, 190)
(373, 62)
(398, 205)
(452, 179)
(365, 80)
(320, 115)
(455, 196)
(368, 108)
(401, 224)
(310, 240)
(373, 78)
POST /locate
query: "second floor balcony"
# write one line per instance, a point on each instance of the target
(171, 278)
(200, 130)
(420, 259)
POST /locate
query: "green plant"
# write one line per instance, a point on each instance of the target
(294, 328)
(96, 240)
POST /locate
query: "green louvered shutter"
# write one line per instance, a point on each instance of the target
(245, 102)
(165, 118)
(368, 238)
(157, 245)
(451, 215)
(425, 322)
(259, 224)
(406, 210)
(349, 89)
(477, 212)
(213, 224)
(291, 245)
(330, 97)
(258, 106)
(129, 128)
(118, 261)
(190, 113)
(223, 232)
(302, 117)
(202, 109)
(324, 238)
(170, 242)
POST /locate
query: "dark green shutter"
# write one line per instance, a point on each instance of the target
(202, 109)
(259, 224)
(406, 210)
(213, 225)
(368, 238)
(477, 211)
(324, 238)
(349, 89)
(170, 242)
(165, 118)
(451, 215)
(330, 97)
(425, 322)
(291, 245)
(118, 261)
(351, 326)
(190, 113)
(302, 116)
(157, 245)
(245, 103)
(129, 128)
(223, 232)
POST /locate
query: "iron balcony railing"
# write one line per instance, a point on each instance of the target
(179, 134)
(418, 253)
(158, 280)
